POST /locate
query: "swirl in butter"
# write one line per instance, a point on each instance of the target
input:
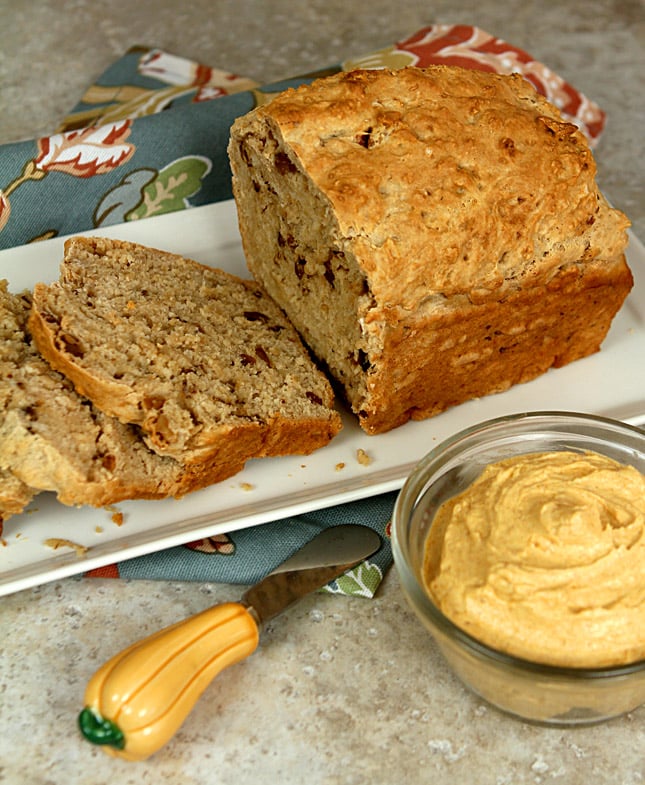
(543, 557)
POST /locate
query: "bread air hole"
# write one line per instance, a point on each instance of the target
(365, 139)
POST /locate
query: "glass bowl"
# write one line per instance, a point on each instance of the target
(545, 694)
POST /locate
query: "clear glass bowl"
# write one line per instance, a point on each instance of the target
(532, 691)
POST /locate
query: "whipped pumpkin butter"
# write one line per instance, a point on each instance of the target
(543, 557)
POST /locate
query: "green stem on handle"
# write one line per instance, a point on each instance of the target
(99, 730)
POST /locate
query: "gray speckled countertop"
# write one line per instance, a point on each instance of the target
(341, 690)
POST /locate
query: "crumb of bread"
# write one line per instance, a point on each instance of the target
(246, 486)
(59, 542)
(362, 457)
(116, 515)
(98, 529)
(340, 466)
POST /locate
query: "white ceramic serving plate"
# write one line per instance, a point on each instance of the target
(610, 383)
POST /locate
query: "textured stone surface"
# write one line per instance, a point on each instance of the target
(341, 691)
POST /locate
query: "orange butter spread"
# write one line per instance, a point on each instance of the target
(543, 557)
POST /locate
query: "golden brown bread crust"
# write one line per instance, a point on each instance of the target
(414, 201)
(14, 496)
(505, 343)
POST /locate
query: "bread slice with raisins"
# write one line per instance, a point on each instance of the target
(204, 363)
(52, 439)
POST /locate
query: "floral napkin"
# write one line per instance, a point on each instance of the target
(150, 137)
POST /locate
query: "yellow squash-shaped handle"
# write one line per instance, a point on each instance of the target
(137, 701)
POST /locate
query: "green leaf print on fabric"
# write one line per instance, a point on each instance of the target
(123, 198)
(362, 581)
(172, 187)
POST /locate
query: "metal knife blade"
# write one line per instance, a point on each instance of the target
(326, 557)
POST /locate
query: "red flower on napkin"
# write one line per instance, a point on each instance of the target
(219, 543)
(87, 152)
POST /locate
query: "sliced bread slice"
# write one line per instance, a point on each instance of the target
(52, 439)
(205, 363)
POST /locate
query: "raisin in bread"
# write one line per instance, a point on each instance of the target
(203, 362)
(51, 439)
(434, 234)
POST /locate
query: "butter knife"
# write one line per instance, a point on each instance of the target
(137, 700)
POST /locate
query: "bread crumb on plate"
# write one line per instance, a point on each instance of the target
(59, 542)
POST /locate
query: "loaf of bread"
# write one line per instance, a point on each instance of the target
(434, 234)
(51, 439)
(203, 363)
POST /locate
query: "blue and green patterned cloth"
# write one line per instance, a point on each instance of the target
(247, 555)
(150, 137)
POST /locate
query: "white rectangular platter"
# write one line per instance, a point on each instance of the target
(610, 383)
